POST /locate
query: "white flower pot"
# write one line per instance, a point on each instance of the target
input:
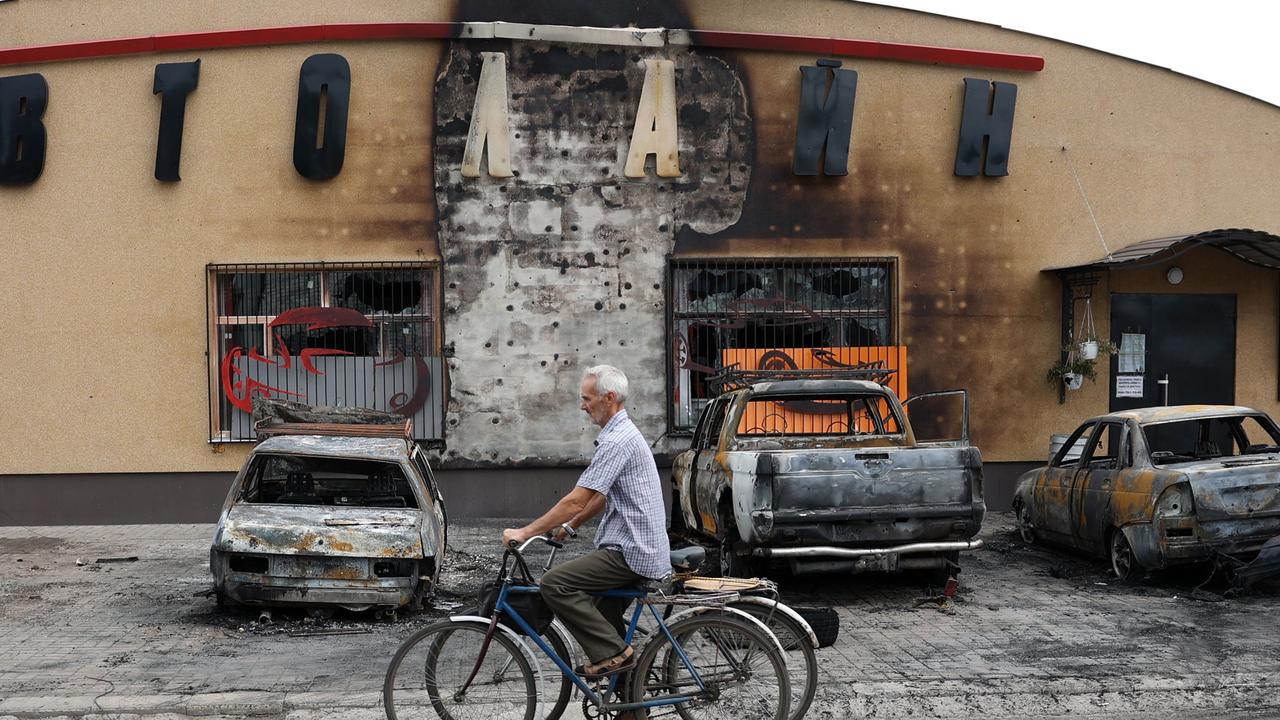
(1073, 381)
(1089, 350)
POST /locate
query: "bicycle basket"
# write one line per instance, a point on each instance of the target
(530, 606)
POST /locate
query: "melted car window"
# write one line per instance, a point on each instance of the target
(811, 415)
(1207, 438)
(295, 480)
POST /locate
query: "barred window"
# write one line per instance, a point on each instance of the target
(773, 314)
(350, 335)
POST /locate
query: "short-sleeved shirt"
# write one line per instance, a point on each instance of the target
(634, 522)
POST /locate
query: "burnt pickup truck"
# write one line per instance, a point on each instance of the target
(826, 476)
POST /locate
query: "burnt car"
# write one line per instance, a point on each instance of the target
(330, 521)
(1153, 488)
(826, 475)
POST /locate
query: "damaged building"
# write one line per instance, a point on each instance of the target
(450, 210)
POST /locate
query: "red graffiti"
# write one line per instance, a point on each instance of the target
(309, 353)
(240, 391)
(321, 318)
(403, 403)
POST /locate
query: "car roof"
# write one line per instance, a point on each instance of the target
(779, 387)
(1150, 415)
(373, 448)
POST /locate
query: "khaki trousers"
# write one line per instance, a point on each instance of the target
(596, 623)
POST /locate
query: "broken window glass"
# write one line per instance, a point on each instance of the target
(266, 293)
(302, 480)
(789, 309)
(378, 292)
(347, 336)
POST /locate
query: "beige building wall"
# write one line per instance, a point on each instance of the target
(102, 281)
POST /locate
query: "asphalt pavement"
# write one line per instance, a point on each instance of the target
(1033, 633)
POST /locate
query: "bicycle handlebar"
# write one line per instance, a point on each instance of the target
(547, 538)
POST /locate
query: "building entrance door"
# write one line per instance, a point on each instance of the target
(1174, 350)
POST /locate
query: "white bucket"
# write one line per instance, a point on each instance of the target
(1089, 350)
(1057, 441)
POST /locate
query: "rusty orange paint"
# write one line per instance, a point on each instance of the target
(708, 521)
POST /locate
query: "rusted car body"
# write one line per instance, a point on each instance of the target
(1156, 487)
(352, 522)
(825, 476)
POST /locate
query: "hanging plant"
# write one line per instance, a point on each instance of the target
(1072, 372)
(1087, 349)
(1076, 367)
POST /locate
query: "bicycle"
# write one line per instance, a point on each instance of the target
(760, 599)
(718, 663)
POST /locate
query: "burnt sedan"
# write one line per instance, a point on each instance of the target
(351, 522)
(1156, 487)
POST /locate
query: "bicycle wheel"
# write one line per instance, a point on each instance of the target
(744, 674)
(802, 662)
(554, 682)
(431, 666)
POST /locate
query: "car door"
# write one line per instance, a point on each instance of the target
(1092, 491)
(1051, 498)
(441, 529)
(683, 471)
(706, 474)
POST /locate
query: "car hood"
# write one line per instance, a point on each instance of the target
(321, 530)
(1237, 487)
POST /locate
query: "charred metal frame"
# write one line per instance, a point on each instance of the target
(309, 285)
(780, 304)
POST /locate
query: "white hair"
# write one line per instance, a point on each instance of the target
(609, 379)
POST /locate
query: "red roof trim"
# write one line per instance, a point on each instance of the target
(840, 47)
(289, 35)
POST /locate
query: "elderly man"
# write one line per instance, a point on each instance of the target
(631, 544)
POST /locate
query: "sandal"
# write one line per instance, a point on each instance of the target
(622, 662)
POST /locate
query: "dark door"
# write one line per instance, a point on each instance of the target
(1190, 340)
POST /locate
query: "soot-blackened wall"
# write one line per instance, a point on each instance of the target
(562, 266)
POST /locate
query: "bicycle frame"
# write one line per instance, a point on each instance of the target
(503, 607)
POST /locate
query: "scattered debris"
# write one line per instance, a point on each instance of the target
(130, 558)
(343, 631)
(79, 562)
(942, 602)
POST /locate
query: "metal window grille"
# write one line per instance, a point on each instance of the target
(758, 313)
(344, 335)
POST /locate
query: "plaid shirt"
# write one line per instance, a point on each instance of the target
(634, 521)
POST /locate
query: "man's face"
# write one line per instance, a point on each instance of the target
(599, 407)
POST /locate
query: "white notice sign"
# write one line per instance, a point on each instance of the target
(1129, 386)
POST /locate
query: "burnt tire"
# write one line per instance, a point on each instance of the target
(677, 525)
(731, 564)
(1026, 528)
(824, 621)
(1124, 563)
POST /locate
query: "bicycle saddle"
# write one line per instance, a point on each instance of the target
(688, 559)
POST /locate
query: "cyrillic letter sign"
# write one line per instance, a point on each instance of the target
(324, 91)
(986, 118)
(489, 121)
(655, 131)
(23, 99)
(824, 120)
(173, 82)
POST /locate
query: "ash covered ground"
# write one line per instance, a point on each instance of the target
(1034, 632)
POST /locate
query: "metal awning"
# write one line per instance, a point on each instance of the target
(1252, 246)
